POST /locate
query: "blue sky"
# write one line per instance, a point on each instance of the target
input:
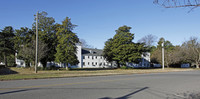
(97, 20)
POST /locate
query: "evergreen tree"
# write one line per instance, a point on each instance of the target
(22, 40)
(6, 43)
(67, 40)
(121, 49)
(107, 51)
(47, 35)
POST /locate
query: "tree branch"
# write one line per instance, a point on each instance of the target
(178, 3)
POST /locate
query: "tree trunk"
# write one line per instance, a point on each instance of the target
(197, 64)
(15, 59)
(118, 64)
(166, 60)
(198, 61)
(44, 63)
(167, 64)
(5, 60)
(67, 66)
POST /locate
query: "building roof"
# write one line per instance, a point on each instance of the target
(91, 52)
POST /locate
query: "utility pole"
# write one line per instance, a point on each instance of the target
(163, 57)
(36, 45)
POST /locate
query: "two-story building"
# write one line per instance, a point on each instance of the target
(91, 58)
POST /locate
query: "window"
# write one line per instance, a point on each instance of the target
(88, 63)
(92, 57)
(83, 57)
(96, 57)
(88, 57)
(83, 63)
(92, 63)
(21, 63)
(96, 63)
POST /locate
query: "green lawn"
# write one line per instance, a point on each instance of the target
(25, 73)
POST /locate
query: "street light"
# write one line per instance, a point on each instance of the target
(163, 57)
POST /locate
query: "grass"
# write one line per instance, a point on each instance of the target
(26, 73)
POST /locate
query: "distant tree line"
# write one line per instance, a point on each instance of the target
(187, 52)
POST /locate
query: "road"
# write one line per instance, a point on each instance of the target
(172, 85)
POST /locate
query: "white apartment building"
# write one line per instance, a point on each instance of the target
(91, 58)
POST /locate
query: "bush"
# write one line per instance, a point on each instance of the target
(52, 67)
(126, 67)
(123, 67)
(2, 66)
(39, 68)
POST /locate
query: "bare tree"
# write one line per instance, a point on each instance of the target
(28, 51)
(148, 40)
(84, 44)
(192, 50)
(178, 3)
(177, 55)
(156, 56)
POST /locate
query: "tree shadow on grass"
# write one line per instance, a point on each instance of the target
(7, 71)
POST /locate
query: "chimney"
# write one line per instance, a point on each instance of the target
(91, 51)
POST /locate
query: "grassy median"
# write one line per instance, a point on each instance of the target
(26, 73)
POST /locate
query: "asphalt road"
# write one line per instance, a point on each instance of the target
(173, 85)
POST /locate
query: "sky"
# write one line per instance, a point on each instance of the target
(97, 20)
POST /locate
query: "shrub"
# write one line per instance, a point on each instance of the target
(52, 67)
(123, 67)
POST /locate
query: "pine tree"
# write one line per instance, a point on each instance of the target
(6, 43)
(67, 40)
(121, 47)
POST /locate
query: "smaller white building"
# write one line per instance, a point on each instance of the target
(145, 61)
(1, 63)
(20, 63)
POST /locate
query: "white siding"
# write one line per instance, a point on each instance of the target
(94, 62)
(79, 52)
(20, 63)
